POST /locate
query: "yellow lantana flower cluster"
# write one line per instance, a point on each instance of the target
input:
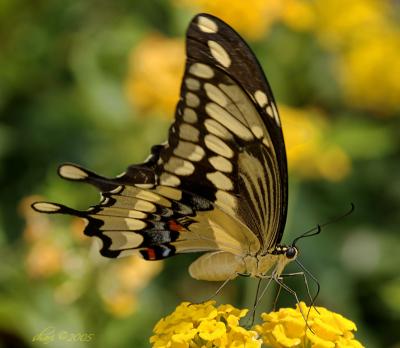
(207, 326)
(204, 325)
(287, 328)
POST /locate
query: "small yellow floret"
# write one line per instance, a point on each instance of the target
(287, 328)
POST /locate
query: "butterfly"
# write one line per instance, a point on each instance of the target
(218, 185)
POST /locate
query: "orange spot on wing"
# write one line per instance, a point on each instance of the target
(174, 226)
(151, 254)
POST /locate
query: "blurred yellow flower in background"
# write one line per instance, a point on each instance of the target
(370, 73)
(44, 259)
(310, 152)
(341, 23)
(252, 18)
(155, 70)
(298, 15)
(364, 37)
(287, 328)
(129, 275)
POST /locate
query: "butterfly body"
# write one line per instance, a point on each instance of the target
(221, 265)
(218, 185)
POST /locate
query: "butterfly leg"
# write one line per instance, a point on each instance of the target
(258, 298)
(270, 277)
(255, 302)
(312, 299)
(218, 290)
(292, 292)
(276, 298)
(305, 282)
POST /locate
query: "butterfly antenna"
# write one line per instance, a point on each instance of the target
(314, 298)
(317, 230)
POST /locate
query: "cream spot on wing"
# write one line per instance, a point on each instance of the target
(216, 145)
(206, 25)
(269, 111)
(215, 94)
(257, 131)
(169, 180)
(222, 116)
(124, 240)
(134, 224)
(192, 99)
(112, 211)
(136, 214)
(276, 115)
(45, 207)
(261, 98)
(179, 166)
(217, 129)
(188, 132)
(71, 172)
(192, 84)
(152, 197)
(144, 186)
(219, 53)
(118, 189)
(190, 151)
(266, 142)
(221, 163)
(226, 200)
(244, 110)
(220, 181)
(144, 206)
(169, 192)
(129, 252)
(201, 70)
(189, 115)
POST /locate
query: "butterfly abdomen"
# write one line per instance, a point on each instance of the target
(217, 266)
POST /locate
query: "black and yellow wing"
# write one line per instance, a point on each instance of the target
(220, 181)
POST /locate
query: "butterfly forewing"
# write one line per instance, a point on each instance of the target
(219, 183)
(226, 143)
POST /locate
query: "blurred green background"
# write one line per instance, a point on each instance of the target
(95, 83)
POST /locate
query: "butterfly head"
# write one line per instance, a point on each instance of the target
(291, 252)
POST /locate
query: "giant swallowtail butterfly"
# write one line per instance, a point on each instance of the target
(218, 185)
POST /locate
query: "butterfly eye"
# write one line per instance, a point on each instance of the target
(291, 252)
